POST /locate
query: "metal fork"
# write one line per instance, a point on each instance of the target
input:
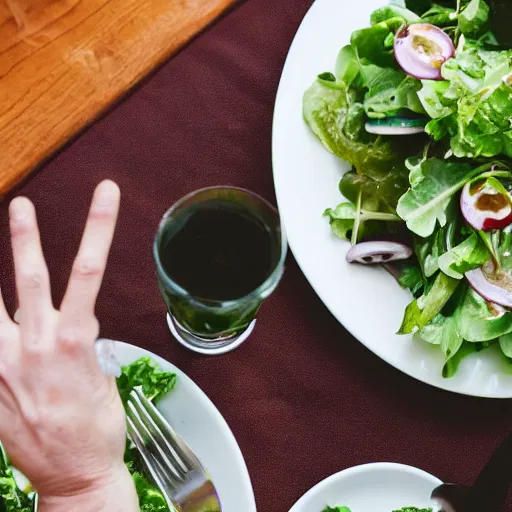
(172, 465)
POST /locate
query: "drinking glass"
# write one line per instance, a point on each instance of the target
(230, 221)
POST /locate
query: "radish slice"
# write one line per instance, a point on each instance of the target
(369, 253)
(421, 49)
(490, 291)
(485, 207)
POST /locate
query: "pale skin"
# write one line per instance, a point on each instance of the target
(61, 418)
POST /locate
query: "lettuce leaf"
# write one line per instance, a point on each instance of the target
(144, 372)
(478, 321)
(422, 310)
(337, 118)
(505, 342)
(156, 383)
(390, 92)
(443, 331)
(12, 498)
(393, 11)
(474, 18)
(425, 204)
(473, 106)
(470, 254)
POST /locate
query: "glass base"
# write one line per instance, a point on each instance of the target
(211, 347)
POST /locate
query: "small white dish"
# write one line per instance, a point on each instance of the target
(197, 420)
(378, 487)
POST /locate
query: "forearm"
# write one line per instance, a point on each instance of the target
(117, 495)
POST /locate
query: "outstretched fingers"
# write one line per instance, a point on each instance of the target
(32, 278)
(79, 302)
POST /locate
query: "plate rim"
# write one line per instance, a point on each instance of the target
(362, 468)
(441, 384)
(242, 468)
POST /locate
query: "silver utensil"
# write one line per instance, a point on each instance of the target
(172, 465)
(490, 491)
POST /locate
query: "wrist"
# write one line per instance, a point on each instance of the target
(114, 493)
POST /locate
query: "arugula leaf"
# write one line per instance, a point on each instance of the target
(471, 253)
(478, 321)
(422, 310)
(336, 509)
(156, 383)
(474, 18)
(425, 204)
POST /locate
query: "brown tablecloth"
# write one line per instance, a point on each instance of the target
(302, 396)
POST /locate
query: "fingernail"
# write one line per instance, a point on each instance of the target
(107, 193)
(20, 208)
(17, 316)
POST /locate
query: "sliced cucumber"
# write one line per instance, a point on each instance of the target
(395, 126)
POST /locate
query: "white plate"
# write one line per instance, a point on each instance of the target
(201, 425)
(367, 301)
(381, 487)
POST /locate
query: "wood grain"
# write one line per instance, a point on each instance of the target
(62, 62)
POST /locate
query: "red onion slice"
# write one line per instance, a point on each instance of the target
(484, 207)
(370, 253)
(489, 291)
(421, 49)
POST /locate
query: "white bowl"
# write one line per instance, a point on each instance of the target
(379, 487)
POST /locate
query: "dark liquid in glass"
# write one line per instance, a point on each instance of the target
(218, 251)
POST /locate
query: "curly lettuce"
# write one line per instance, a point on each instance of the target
(472, 106)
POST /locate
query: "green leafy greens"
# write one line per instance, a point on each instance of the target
(410, 186)
(12, 498)
(155, 383)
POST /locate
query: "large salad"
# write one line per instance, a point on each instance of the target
(420, 104)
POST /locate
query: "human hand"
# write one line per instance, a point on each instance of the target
(61, 419)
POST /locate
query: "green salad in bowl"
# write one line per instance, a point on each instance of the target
(420, 104)
(155, 383)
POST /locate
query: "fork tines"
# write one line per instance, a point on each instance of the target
(172, 465)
